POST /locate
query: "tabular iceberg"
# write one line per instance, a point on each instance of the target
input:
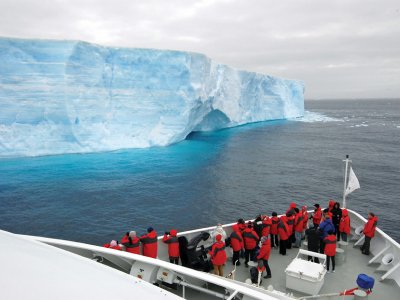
(70, 97)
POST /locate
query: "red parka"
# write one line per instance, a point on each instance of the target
(173, 244)
(283, 229)
(117, 247)
(125, 239)
(298, 222)
(218, 254)
(331, 204)
(266, 226)
(250, 238)
(274, 225)
(317, 216)
(370, 226)
(149, 242)
(265, 250)
(291, 208)
(290, 223)
(241, 226)
(236, 239)
(330, 245)
(344, 225)
(305, 217)
(133, 247)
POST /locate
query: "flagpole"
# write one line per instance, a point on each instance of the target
(347, 160)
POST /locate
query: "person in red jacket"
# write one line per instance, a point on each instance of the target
(241, 224)
(305, 220)
(171, 239)
(283, 231)
(132, 244)
(149, 242)
(274, 230)
(250, 239)
(317, 216)
(369, 232)
(236, 244)
(266, 226)
(298, 227)
(125, 238)
(113, 245)
(291, 208)
(344, 225)
(218, 255)
(331, 204)
(290, 222)
(264, 254)
(330, 249)
(327, 213)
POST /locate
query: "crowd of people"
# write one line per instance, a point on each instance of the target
(253, 240)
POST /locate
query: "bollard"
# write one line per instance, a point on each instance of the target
(343, 245)
(340, 256)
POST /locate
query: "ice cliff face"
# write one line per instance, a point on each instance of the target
(67, 96)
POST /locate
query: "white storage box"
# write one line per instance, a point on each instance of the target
(305, 276)
(144, 271)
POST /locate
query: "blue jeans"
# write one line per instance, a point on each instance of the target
(298, 239)
(344, 236)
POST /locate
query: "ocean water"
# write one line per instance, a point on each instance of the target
(212, 177)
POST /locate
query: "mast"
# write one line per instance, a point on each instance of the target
(347, 160)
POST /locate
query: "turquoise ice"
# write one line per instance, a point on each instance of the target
(74, 97)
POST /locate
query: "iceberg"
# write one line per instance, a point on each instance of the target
(75, 97)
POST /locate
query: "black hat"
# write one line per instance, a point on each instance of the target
(316, 205)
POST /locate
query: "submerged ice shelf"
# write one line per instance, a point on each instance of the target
(71, 97)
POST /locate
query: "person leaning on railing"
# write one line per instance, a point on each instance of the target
(369, 232)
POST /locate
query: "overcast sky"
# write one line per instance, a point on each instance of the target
(339, 48)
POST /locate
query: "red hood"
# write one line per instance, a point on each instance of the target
(331, 204)
(345, 213)
(292, 205)
(235, 227)
(266, 220)
(152, 234)
(173, 232)
(373, 218)
(284, 219)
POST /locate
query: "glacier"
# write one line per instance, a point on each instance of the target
(76, 97)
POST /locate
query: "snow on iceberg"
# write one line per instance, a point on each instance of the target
(72, 97)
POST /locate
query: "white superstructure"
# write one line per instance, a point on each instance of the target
(35, 270)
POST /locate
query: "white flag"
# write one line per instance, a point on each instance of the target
(353, 182)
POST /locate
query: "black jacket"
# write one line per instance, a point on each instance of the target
(336, 216)
(312, 239)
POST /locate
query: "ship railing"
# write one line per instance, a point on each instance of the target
(186, 277)
(384, 249)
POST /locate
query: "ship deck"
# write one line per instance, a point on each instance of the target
(343, 279)
(383, 265)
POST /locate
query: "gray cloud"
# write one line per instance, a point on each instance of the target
(341, 49)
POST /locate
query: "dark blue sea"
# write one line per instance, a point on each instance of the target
(212, 177)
